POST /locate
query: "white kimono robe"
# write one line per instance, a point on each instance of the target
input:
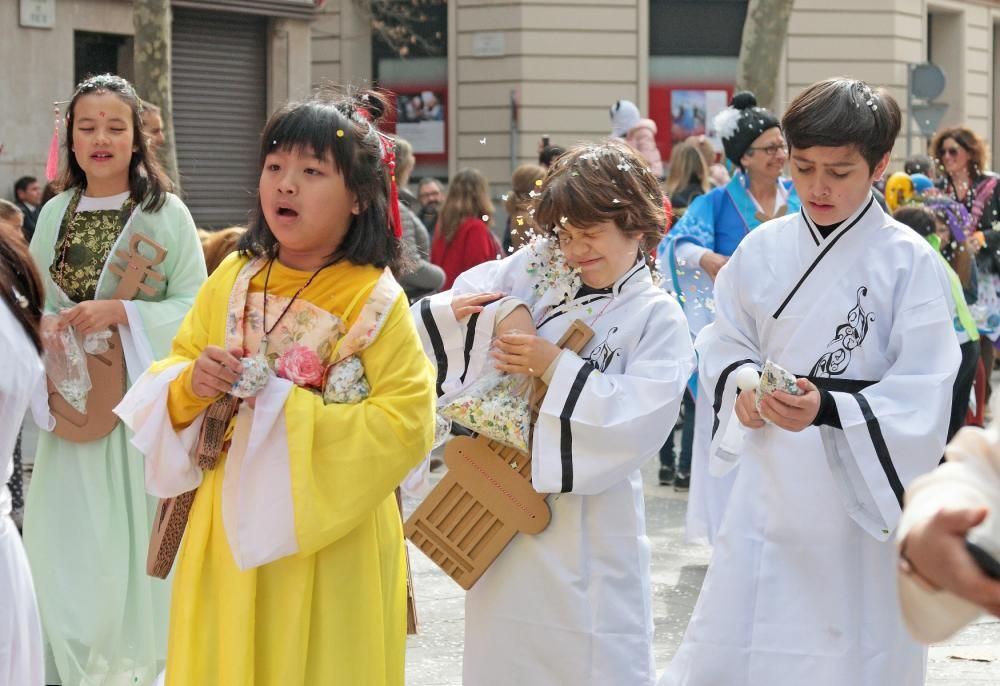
(800, 589)
(572, 605)
(21, 661)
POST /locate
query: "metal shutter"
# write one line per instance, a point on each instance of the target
(220, 107)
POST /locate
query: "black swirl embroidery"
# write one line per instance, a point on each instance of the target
(848, 337)
(602, 355)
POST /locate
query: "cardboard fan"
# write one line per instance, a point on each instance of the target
(107, 370)
(485, 499)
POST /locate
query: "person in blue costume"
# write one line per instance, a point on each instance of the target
(700, 244)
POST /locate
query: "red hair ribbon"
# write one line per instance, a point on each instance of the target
(389, 158)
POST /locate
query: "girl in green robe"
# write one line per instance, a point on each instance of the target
(88, 518)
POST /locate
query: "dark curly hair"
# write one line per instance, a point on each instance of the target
(969, 141)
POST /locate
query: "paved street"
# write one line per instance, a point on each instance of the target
(434, 657)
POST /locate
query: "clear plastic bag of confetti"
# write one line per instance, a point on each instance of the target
(66, 362)
(496, 406)
(776, 378)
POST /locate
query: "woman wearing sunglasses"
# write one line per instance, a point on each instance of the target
(961, 158)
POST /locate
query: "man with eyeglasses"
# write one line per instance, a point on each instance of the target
(430, 197)
(694, 251)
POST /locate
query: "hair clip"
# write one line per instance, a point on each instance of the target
(22, 302)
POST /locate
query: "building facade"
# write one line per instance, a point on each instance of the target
(498, 75)
(234, 61)
(516, 70)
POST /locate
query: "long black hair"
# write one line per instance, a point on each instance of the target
(147, 183)
(20, 285)
(341, 124)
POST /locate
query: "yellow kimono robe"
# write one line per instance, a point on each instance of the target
(292, 567)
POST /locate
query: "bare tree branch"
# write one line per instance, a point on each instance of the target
(397, 24)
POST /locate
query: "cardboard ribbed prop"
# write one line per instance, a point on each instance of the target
(486, 497)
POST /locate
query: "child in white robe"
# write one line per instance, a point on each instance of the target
(800, 589)
(573, 604)
(21, 296)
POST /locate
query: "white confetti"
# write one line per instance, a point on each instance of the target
(482, 141)
(615, 201)
(486, 217)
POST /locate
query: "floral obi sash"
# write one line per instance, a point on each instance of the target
(309, 346)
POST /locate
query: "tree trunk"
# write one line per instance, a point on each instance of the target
(764, 36)
(151, 19)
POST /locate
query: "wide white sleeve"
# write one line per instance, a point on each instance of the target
(895, 430)
(594, 429)
(170, 468)
(724, 347)
(460, 349)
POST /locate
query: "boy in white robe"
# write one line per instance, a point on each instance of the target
(573, 604)
(801, 585)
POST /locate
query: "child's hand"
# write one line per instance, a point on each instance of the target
(93, 316)
(712, 263)
(521, 353)
(792, 412)
(215, 372)
(465, 305)
(518, 321)
(934, 553)
(746, 410)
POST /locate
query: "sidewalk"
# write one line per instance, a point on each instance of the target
(434, 657)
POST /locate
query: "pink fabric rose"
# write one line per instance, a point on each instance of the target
(300, 365)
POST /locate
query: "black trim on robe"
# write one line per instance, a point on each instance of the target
(720, 388)
(470, 340)
(819, 258)
(566, 427)
(440, 358)
(881, 449)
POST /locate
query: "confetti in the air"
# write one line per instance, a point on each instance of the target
(486, 217)
(482, 141)
(340, 133)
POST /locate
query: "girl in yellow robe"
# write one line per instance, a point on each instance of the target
(292, 567)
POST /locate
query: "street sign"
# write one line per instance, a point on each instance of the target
(38, 14)
(928, 116)
(926, 81)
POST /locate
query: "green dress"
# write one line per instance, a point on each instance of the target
(88, 518)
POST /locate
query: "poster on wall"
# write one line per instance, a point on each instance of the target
(692, 113)
(683, 109)
(420, 120)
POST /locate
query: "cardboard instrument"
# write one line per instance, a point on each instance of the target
(107, 370)
(172, 513)
(485, 499)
